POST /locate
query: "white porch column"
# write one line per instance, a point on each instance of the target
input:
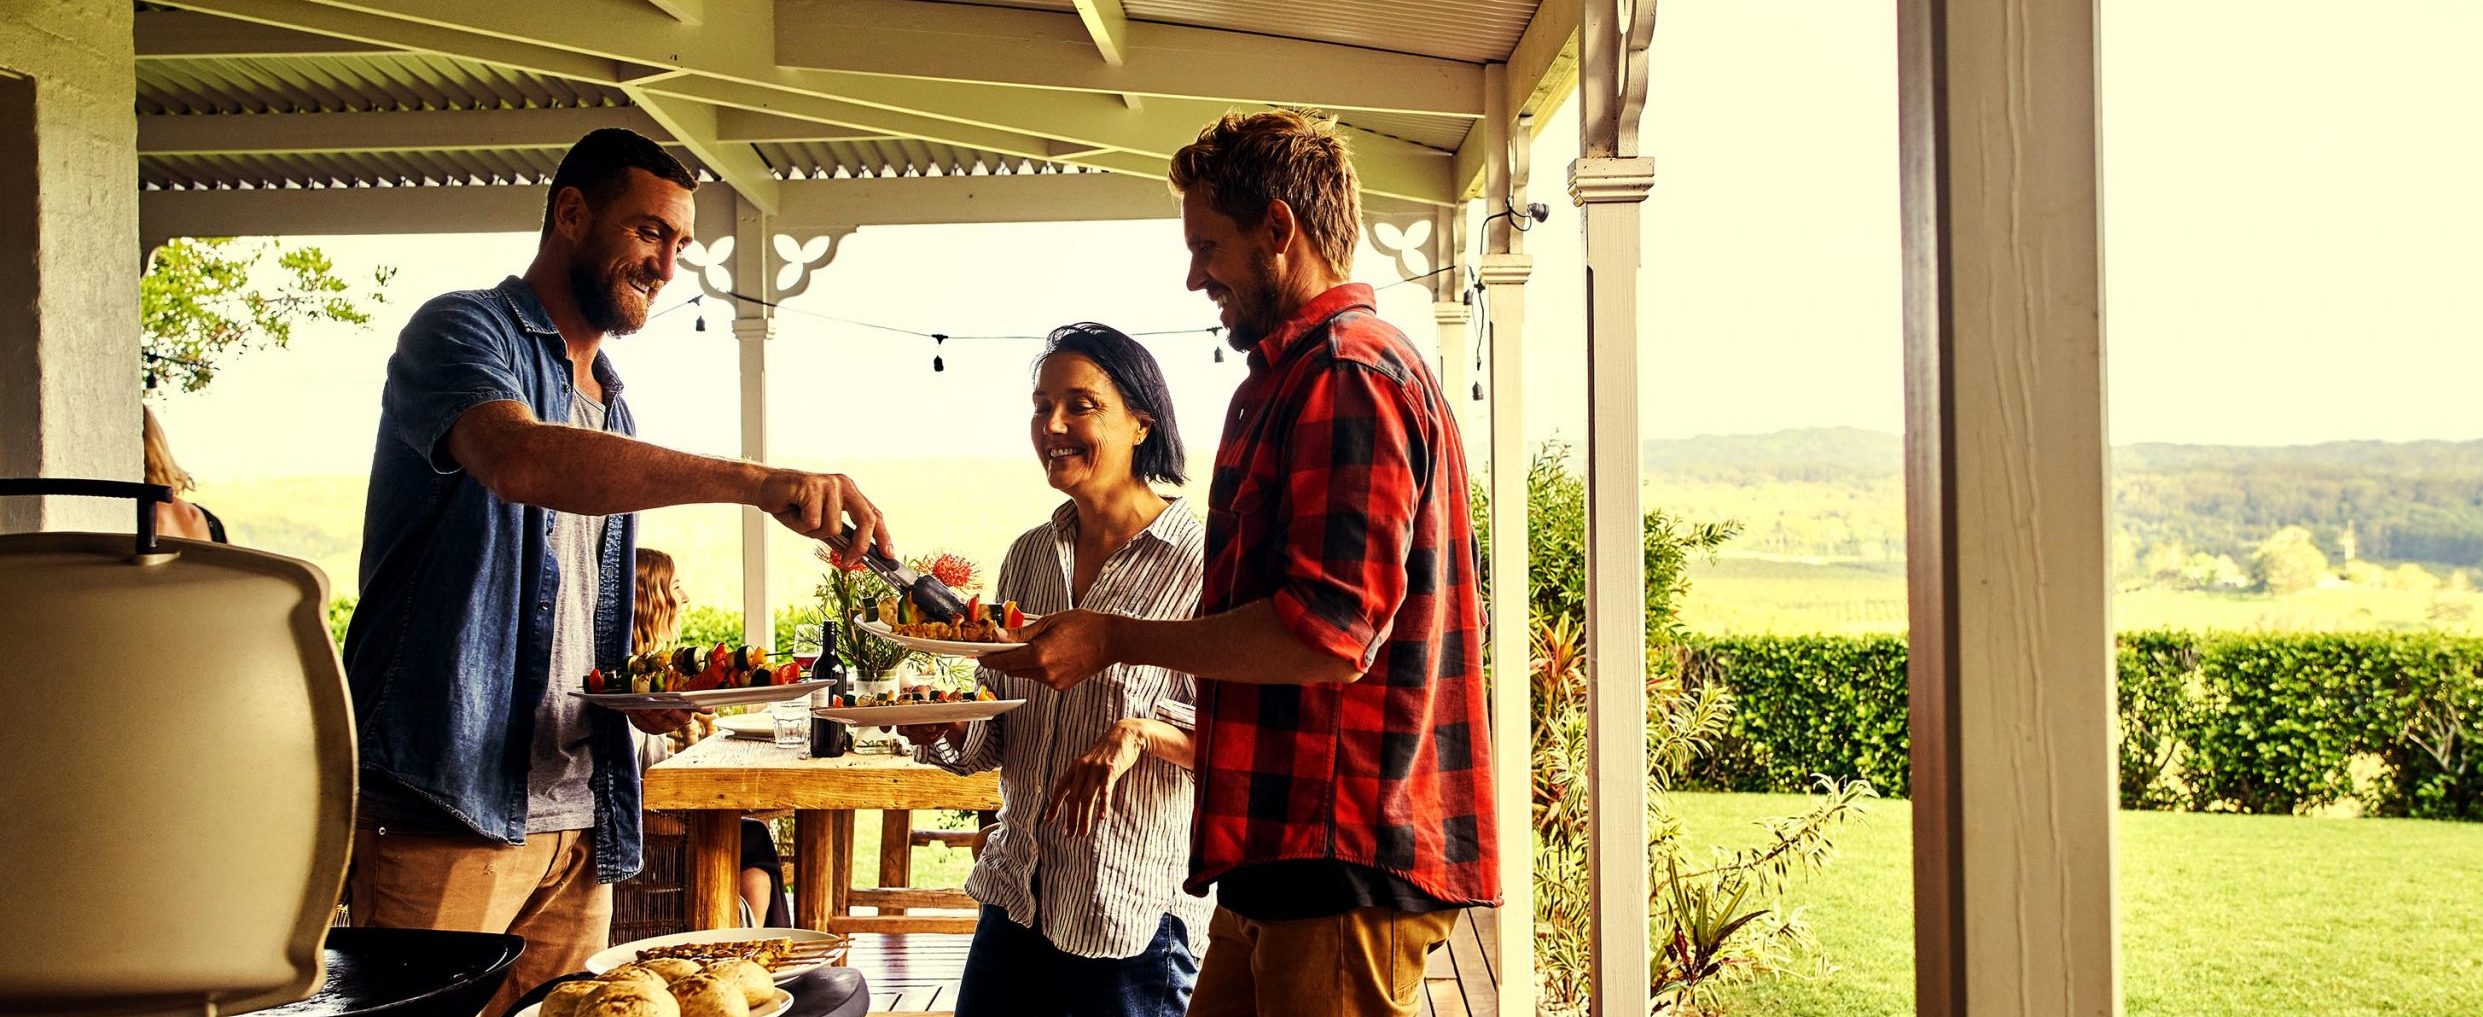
(1608, 182)
(1504, 274)
(754, 324)
(68, 220)
(1451, 315)
(2008, 554)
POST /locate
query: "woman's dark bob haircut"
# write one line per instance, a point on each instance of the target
(1133, 371)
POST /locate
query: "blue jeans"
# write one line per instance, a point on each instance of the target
(1012, 971)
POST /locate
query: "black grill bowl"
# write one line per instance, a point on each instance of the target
(407, 973)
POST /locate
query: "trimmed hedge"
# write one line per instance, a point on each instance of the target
(2212, 722)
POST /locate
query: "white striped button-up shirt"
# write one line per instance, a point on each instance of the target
(1105, 894)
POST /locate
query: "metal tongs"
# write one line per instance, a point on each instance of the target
(929, 594)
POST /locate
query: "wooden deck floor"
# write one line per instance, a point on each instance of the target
(916, 975)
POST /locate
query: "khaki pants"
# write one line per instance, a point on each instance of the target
(1362, 963)
(543, 890)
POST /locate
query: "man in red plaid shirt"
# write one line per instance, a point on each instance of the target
(1344, 806)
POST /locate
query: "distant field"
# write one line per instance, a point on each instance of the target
(1743, 595)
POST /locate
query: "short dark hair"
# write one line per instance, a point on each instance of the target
(599, 164)
(1133, 370)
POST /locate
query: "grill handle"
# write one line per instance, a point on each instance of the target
(148, 496)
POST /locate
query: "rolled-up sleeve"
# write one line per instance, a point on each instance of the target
(1350, 475)
(453, 356)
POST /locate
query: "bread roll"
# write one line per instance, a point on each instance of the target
(566, 997)
(673, 969)
(757, 985)
(630, 998)
(639, 973)
(709, 996)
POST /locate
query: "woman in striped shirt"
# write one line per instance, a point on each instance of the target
(1083, 912)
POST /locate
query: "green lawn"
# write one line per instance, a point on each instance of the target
(2220, 915)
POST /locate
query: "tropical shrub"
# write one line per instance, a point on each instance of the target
(1710, 922)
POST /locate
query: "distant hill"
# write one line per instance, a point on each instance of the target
(1839, 491)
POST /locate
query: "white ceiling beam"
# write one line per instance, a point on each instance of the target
(388, 131)
(396, 33)
(693, 124)
(1108, 25)
(809, 205)
(1542, 68)
(1055, 50)
(718, 68)
(1386, 165)
(687, 12)
(163, 35)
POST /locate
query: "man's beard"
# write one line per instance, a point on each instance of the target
(1254, 313)
(601, 301)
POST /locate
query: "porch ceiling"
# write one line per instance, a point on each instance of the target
(758, 93)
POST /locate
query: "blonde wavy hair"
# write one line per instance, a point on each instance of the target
(161, 467)
(657, 620)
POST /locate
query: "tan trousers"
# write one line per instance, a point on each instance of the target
(1363, 963)
(543, 890)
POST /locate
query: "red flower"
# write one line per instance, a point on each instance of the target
(952, 570)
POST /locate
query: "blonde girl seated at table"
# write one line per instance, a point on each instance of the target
(1083, 912)
(656, 625)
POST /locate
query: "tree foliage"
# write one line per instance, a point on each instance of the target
(2289, 561)
(205, 299)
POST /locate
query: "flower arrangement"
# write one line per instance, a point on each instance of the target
(844, 591)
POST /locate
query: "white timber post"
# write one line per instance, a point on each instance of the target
(1504, 271)
(2007, 531)
(69, 365)
(754, 325)
(1451, 314)
(1608, 183)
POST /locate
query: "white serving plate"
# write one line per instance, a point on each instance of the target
(702, 699)
(943, 647)
(754, 726)
(917, 713)
(628, 952)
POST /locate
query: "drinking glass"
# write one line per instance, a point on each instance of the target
(792, 722)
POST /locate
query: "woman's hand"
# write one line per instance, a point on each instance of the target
(1082, 794)
(953, 732)
(1061, 649)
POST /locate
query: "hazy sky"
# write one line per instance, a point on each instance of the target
(2291, 229)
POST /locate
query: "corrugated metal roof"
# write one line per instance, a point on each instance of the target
(892, 157)
(337, 169)
(338, 83)
(1477, 31)
(793, 160)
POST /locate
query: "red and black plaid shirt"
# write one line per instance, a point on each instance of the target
(1340, 494)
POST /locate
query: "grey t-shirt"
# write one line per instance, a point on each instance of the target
(558, 795)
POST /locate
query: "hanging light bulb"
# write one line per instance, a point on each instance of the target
(1478, 391)
(1219, 354)
(698, 321)
(938, 365)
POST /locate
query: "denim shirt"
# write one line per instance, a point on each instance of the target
(449, 651)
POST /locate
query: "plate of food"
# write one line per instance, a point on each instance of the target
(786, 954)
(724, 988)
(985, 628)
(692, 678)
(899, 710)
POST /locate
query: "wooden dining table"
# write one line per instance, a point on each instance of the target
(715, 782)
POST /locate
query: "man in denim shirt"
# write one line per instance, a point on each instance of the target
(496, 569)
